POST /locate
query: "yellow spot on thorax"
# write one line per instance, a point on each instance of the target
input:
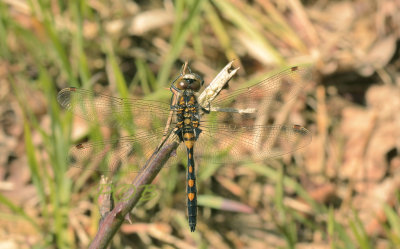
(191, 101)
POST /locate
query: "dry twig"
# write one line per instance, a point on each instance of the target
(114, 219)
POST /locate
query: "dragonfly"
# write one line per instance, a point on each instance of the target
(225, 130)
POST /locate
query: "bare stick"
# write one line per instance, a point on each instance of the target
(105, 199)
(114, 219)
(218, 83)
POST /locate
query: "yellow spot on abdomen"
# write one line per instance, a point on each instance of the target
(189, 144)
(191, 183)
(189, 140)
(191, 196)
(190, 169)
(188, 136)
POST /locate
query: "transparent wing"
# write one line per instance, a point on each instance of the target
(217, 144)
(127, 154)
(130, 153)
(275, 90)
(220, 143)
(113, 111)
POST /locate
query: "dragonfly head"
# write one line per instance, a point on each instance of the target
(189, 81)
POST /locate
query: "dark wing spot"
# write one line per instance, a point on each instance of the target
(71, 160)
(300, 129)
(79, 146)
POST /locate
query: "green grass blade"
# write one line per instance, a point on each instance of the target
(37, 178)
(19, 211)
(359, 232)
(4, 52)
(220, 203)
(59, 49)
(182, 29)
(243, 23)
(115, 74)
(220, 31)
(338, 236)
(273, 175)
(83, 68)
(142, 73)
(394, 225)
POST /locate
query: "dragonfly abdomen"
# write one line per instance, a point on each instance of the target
(189, 134)
(191, 191)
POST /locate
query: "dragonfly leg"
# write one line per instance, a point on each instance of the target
(207, 109)
(197, 132)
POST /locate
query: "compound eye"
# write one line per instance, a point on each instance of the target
(195, 86)
(182, 85)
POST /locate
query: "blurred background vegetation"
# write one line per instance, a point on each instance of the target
(342, 191)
